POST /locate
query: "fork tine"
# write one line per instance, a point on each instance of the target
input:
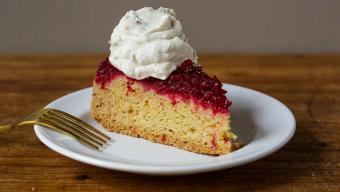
(65, 126)
(74, 125)
(78, 121)
(51, 125)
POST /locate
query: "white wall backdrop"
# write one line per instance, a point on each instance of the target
(236, 26)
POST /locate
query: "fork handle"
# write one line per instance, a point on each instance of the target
(5, 128)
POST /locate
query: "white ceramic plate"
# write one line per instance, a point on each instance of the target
(261, 122)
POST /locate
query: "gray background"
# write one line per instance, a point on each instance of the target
(240, 26)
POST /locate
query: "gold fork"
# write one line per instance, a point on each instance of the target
(65, 123)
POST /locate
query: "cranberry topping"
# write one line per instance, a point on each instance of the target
(106, 73)
(187, 82)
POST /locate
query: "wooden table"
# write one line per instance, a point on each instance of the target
(308, 84)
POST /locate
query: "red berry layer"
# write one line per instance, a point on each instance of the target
(187, 82)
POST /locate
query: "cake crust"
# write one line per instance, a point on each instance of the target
(136, 132)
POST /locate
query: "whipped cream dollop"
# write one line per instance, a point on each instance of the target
(149, 43)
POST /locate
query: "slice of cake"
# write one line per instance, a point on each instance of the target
(188, 110)
(152, 86)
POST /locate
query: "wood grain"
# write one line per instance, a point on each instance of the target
(308, 84)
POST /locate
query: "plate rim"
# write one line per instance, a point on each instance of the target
(166, 169)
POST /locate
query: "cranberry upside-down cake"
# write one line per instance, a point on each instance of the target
(151, 86)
